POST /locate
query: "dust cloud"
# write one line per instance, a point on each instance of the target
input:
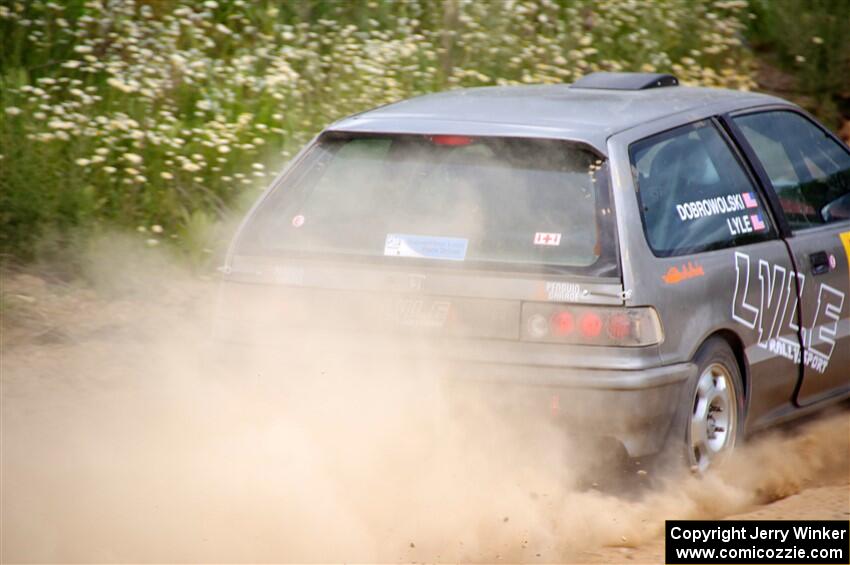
(131, 432)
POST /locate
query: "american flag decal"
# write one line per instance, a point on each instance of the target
(750, 200)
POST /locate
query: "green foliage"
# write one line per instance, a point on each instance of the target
(159, 115)
(811, 40)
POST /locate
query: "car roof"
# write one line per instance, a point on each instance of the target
(588, 115)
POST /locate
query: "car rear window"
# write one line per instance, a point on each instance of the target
(446, 198)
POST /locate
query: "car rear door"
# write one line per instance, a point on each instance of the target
(809, 173)
(711, 243)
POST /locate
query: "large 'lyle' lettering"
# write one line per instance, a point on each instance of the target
(773, 313)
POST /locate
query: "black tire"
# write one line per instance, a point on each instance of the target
(710, 418)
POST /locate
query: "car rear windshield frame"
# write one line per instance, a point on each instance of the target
(606, 264)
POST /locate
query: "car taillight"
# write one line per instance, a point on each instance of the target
(591, 325)
(619, 326)
(563, 323)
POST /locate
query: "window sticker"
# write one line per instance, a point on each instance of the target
(543, 238)
(738, 224)
(675, 275)
(745, 224)
(750, 200)
(425, 247)
(718, 205)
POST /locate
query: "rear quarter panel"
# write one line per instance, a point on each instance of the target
(694, 309)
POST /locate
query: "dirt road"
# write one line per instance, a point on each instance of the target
(119, 444)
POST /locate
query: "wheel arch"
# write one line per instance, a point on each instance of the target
(734, 341)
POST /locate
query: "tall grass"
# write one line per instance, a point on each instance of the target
(158, 115)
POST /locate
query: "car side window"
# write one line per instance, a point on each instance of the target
(809, 171)
(694, 193)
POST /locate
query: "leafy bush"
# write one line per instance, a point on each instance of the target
(156, 116)
(811, 40)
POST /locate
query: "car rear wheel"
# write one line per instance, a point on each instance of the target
(709, 419)
(715, 407)
(713, 424)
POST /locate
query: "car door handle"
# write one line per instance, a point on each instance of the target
(819, 263)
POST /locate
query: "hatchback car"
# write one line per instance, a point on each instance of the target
(657, 263)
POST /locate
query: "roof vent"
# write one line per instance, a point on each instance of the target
(625, 81)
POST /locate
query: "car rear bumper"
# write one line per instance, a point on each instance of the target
(636, 407)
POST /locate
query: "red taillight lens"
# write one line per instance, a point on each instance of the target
(619, 326)
(616, 326)
(563, 323)
(590, 324)
(453, 140)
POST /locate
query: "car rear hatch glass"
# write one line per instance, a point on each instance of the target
(444, 200)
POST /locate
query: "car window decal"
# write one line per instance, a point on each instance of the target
(425, 247)
(707, 207)
(546, 238)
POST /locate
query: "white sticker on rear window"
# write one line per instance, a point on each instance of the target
(425, 247)
(543, 238)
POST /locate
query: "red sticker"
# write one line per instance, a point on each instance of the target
(543, 238)
(298, 221)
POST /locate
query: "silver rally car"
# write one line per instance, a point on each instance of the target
(663, 264)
